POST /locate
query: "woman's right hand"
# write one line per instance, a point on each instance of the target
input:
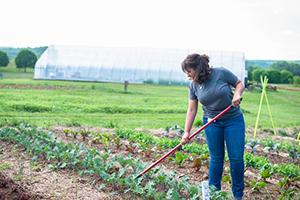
(185, 138)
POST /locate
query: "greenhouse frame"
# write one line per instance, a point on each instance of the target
(120, 64)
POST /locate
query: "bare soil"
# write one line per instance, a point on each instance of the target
(77, 88)
(66, 184)
(39, 87)
(287, 88)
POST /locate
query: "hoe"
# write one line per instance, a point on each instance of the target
(191, 136)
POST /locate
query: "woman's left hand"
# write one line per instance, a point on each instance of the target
(239, 88)
(236, 100)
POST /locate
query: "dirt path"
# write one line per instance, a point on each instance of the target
(287, 88)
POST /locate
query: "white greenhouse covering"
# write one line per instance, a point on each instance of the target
(135, 65)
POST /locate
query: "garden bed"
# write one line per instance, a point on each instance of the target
(47, 179)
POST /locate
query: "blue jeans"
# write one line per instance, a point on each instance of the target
(231, 131)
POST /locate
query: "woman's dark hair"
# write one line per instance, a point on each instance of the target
(194, 60)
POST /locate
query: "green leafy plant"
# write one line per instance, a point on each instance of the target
(176, 185)
(117, 141)
(56, 166)
(282, 133)
(136, 164)
(133, 185)
(253, 144)
(123, 161)
(107, 135)
(287, 188)
(161, 179)
(265, 172)
(290, 170)
(105, 143)
(74, 133)
(67, 131)
(179, 158)
(145, 147)
(84, 134)
(295, 133)
(271, 147)
(4, 166)
(113, 178)
(257, 186)
(131, 146)
(200, 160)
(294, 153)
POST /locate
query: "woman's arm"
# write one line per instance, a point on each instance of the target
(239, 88)
(190, 117)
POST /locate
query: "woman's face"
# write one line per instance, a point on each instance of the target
(191, 73)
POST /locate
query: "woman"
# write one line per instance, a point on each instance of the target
(212, 88)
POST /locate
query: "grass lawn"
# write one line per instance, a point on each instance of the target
(142, 106)
(46, 103)
(11, 72)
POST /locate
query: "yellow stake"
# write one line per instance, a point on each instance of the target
(264, 86)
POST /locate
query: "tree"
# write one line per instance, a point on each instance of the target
(296, 80)
(253, 67)
(25, 58)
(295, 69)
(257, 73)
(274, 76)
(286, 76)
(280, 65)
(283, 65)
(3, 59)
(250, 77)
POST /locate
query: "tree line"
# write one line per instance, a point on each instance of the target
(12, 51)
(279, 72)
(24, 59)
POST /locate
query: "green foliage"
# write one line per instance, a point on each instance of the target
(296, 80)
(294, 153)
(274, 76)
(250, 76)
(179, 158)
(117, 141)
(270, 146)
(25, 58)
(73, 107)
(286, 76)
(290, 170)
(112, 178)
(198, 123)
(253, 144)
(3, 59)
(266, 172)
(200, 160)
(84, 133)
(287, 188)
(255, 161)
(259, 72)
(123, 161)
(4, 166)
(294, 68)
(12, 52)
(257, 186)
(251, 68)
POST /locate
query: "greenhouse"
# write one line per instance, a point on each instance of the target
(120, 64)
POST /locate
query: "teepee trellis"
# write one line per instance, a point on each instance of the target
(264, 83)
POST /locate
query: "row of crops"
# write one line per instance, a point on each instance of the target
(120, 171)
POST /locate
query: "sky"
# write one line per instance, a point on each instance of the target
(262, 29)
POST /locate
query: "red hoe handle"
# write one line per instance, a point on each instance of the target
(191, 136)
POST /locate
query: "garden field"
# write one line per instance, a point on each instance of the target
(86, 140)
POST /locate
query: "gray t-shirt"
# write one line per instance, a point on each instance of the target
(215, 95)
